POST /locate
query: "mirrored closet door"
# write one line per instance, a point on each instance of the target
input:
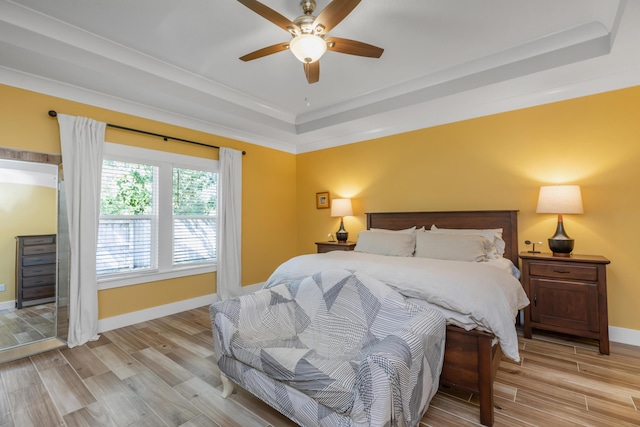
(34, 248)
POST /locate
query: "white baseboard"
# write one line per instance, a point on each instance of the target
(624, 336)
(128, 319)
(6, 305)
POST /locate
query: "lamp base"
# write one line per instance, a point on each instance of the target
(561, 247)
(342, 235)
(560, 243)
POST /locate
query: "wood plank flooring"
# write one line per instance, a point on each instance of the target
(28, 324)
(163, 373)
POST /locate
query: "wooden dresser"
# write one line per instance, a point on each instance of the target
(35, 270)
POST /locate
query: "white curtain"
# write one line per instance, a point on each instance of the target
(82, 142)
(229, 274)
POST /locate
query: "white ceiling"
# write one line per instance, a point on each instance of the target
(444, 60)
(28, 173)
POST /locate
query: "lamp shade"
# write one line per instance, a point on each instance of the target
(341, 207)
(308, 47)
(560, 199)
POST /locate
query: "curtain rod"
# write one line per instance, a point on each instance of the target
(53, 113)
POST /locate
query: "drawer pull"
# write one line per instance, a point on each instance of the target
(561, 271)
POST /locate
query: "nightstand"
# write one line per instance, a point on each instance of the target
(335, 246)
(567, 294)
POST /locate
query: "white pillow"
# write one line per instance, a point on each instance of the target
(457, 247)
(493, 234)
(384, 230)
(385, 243)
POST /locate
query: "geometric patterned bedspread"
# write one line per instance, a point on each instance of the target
(338, 348)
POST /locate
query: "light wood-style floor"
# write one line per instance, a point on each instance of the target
(163, 373)
(28, 324)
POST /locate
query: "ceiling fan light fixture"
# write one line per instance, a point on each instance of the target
(308, 34)
(308, 47)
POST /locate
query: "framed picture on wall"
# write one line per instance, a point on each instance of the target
(322, 200)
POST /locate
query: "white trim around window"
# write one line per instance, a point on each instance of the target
(165, 269)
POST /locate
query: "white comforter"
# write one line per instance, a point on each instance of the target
(488, 295)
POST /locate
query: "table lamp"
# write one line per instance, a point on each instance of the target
(341, 208)
(560, 199)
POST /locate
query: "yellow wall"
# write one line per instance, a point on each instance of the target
(19, 218)
(499, 162)
(268, 181)
(494, 162)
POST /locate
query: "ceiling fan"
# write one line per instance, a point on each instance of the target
(309, 33)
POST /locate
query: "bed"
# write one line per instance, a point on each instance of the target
(471, 355)
(471, 359)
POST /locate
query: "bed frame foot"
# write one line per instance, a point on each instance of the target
(486, 410)
(227, 386)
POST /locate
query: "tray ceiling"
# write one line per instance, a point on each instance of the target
(443, 60)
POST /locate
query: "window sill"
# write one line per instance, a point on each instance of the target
(137, 279)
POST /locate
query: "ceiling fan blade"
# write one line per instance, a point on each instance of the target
(334, 13)
(271, 15)
(269, 50)
(312, 71)
(353, 47)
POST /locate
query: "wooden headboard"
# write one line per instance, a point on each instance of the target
(507, 220)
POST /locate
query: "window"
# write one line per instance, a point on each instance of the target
(127, 217)
(195, 196)
(158, 215)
